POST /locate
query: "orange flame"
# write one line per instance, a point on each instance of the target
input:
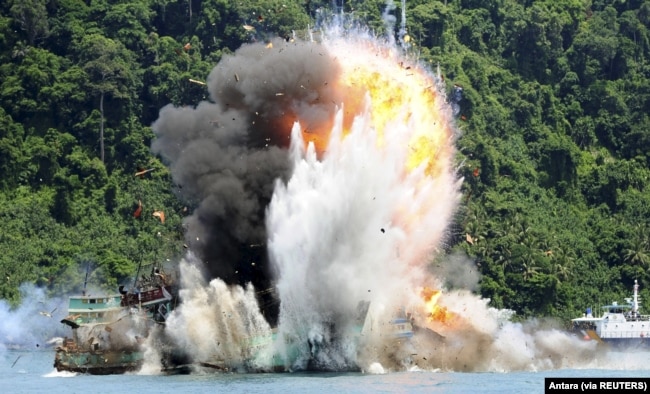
(399, 92)
(437, 313)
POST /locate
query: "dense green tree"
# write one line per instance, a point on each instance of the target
(31, 18)
(107, 64)
(129, 23)
(12, 157)
(553, 115)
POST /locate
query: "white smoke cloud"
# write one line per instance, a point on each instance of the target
(337, 237)
(34, 322)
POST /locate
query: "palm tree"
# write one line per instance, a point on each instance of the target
(529, 269)
(561, 272)
(563, 263)
(638, 253)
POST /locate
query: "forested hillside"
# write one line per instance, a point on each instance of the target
(555, 145)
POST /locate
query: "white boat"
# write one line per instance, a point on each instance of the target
(621, 325)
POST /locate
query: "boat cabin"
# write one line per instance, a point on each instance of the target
(86, 309)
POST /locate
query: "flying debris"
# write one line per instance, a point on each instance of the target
(142, 172)
(18, 358)
(469, 239)
(197, 82)
(47, 314)
(138, 211)
(160, 215)
(249, 28)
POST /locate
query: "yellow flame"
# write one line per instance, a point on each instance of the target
(437, 313)
(399, 91)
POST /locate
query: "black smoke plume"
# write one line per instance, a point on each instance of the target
(225, 153)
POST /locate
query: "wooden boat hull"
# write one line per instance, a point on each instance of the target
(99, 362)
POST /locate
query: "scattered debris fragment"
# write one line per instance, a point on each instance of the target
(140, 173)
(160, 215)
(138, 211)
(469, 239)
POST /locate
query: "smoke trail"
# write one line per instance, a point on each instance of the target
(389, 23)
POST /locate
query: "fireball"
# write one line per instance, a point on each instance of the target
(401, 92)
(437, 313)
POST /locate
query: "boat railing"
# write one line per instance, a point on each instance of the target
(144, 297)
(584, 325)
(627, 334)
(636, 317)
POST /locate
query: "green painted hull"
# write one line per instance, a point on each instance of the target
(98, 363)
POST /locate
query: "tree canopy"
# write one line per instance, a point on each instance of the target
(555, 146)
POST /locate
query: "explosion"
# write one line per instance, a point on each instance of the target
(361, 220)
(323, 171)
(436, 312)
(400, 91)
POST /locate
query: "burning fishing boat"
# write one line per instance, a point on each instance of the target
(108, 331)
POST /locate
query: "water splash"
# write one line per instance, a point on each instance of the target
(362, 222)
(216, 324)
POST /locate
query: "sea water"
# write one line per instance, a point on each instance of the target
(32, 372)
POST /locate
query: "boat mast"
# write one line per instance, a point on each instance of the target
(86, 278)
(135, 282)
(635, 300)
(135, 279)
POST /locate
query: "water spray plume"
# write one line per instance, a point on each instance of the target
(216, 323)
(361, 220)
